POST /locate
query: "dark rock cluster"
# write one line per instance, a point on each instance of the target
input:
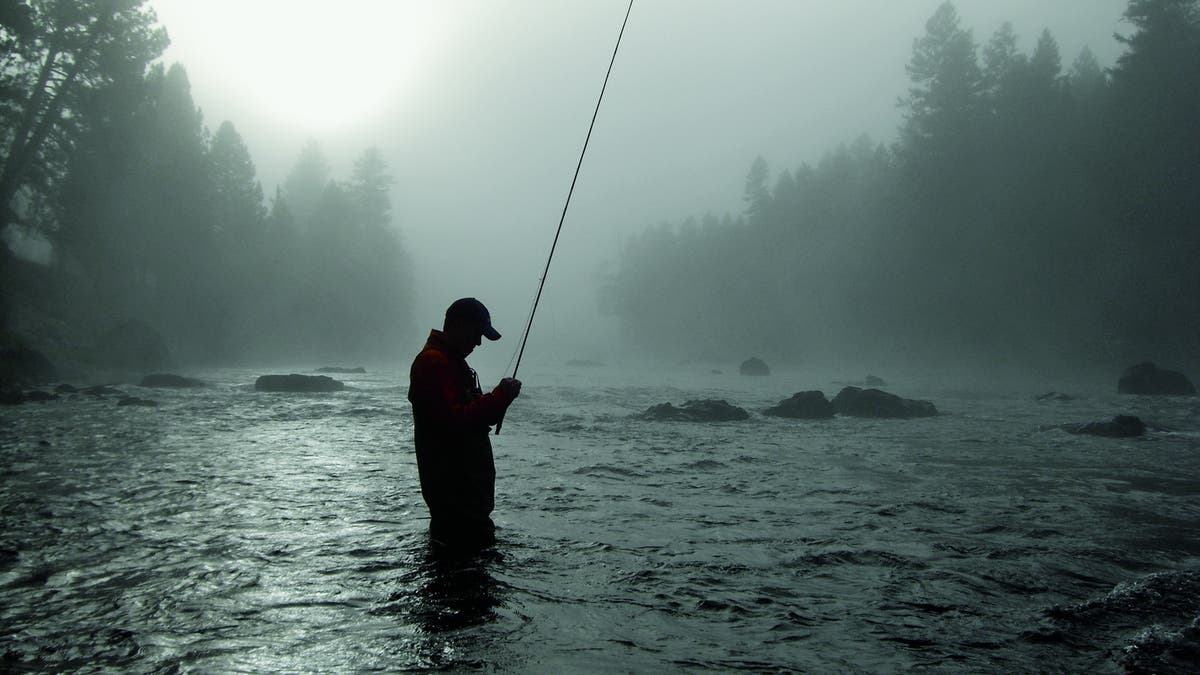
(754, 366)
(807, 405)
(858, 402)
(1148, 380)
(699, 410)
(298, 383)
(169, 381)
(851, 401)
(1121, 426)
(98, 392)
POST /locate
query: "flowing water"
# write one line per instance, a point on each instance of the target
(231, 530)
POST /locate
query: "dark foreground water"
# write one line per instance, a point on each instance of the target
(229, 530)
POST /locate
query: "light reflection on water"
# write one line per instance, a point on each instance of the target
(229, 530)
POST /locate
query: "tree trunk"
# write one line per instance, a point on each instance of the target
(38, 120)
(9, 181)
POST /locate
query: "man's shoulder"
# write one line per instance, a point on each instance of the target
(431, 355)
(431, 359)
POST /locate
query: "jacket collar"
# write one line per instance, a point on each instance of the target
(437, 340)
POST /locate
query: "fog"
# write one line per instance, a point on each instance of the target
(485, 116)
(479, 111)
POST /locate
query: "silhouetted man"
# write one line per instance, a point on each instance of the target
(451, 421)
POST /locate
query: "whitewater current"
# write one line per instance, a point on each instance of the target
(229, 530)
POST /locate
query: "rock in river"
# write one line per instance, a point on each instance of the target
(1121, 426)
(803, 405)
(359, 370)
(754, 366)
(293, 382)
(1149, 380)
(858, 402)
(166, 380)
(702, 410)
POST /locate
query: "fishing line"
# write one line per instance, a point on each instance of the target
(514, 351)
(563, 217)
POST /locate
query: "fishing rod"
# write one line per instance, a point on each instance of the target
(563, 217)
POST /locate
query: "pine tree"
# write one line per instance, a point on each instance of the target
(943, 103)
(1156, 145)
(1002, 66)
(239, 211)
(305, 184)
(756, 193)
(56, 55)
(387, 287)
(371, 185)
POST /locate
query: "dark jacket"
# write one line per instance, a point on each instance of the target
(451, 421)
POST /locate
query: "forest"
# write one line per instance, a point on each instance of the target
(1029, 213)
(152, 217)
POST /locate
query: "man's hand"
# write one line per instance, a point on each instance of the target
(510, 386)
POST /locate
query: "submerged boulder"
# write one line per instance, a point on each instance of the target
(701, 410)
(38, 396)
(340, 370)
(168, 381)
(803, 405)
(1121, 426)
(1149, 380)
(138, 402)
(754, 366)
(1055, 396)
(300, 383)
(858, 402)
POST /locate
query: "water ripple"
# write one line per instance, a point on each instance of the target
(230, 530)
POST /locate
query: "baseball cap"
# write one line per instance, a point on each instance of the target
(472, 310)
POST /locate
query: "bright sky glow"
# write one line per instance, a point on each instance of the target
(312, 65)
(480, 107)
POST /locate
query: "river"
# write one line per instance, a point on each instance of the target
(228, 530)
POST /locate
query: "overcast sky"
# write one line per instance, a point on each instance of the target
(481, 109)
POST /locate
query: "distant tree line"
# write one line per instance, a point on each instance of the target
(153, 217)
(1027, 213)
